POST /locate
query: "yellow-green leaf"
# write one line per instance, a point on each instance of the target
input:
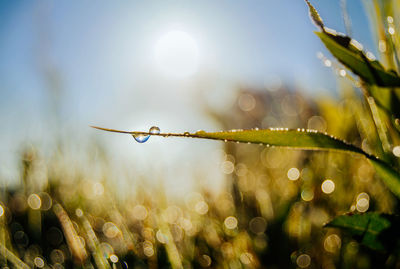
(301, 138)
(316, 18)
(371, 72)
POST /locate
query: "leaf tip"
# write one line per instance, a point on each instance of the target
(314, 15)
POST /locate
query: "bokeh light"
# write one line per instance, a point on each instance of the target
(332, 243)
(114, 258)
(231, 222)
(328, 186)
(362, 202)
(73, 196)
(34, 201)
(293, 174)
(303, 261)
(396, 151)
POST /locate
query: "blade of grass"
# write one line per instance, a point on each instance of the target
(316, 18)
(93, 244)
(127, 236)
(281, 137)
(381, 128)
(381, 33)
(77, 248)
(371, 72)
(8, 255)
(350, 54)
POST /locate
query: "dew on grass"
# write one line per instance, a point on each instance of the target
(141, 138)
(154, 130)
(200, 132)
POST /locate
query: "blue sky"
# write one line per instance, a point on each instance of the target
(103, 54)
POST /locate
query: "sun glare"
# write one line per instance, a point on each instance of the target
(176, 54)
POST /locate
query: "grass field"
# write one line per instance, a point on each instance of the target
(65, 212)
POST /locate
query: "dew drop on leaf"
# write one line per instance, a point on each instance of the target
(141, 138)
(200, 132)
(154, 130)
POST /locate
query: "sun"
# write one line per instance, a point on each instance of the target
(177, 54)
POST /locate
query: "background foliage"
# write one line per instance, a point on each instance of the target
(280, 207)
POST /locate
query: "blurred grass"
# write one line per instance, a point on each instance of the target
(270, 213)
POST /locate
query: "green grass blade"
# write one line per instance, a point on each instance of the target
(371, 72)
(388, 175)
(375, 230)
(345, 50)
(316, 18)
(301, 139)
(9, 256)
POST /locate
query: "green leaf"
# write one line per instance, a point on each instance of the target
(372, 72)
(301, 138)
(315, 16)
(347, 52)
(388, 175)
(374, 230)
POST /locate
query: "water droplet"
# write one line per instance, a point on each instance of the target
(327, 63)
(141, 138)
(186, 133)
(356, 44)
(154, 130)
(370, 56)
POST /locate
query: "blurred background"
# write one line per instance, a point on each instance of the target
(69, 65)
(73, 196)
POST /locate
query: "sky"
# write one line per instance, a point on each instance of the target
(66, 65)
